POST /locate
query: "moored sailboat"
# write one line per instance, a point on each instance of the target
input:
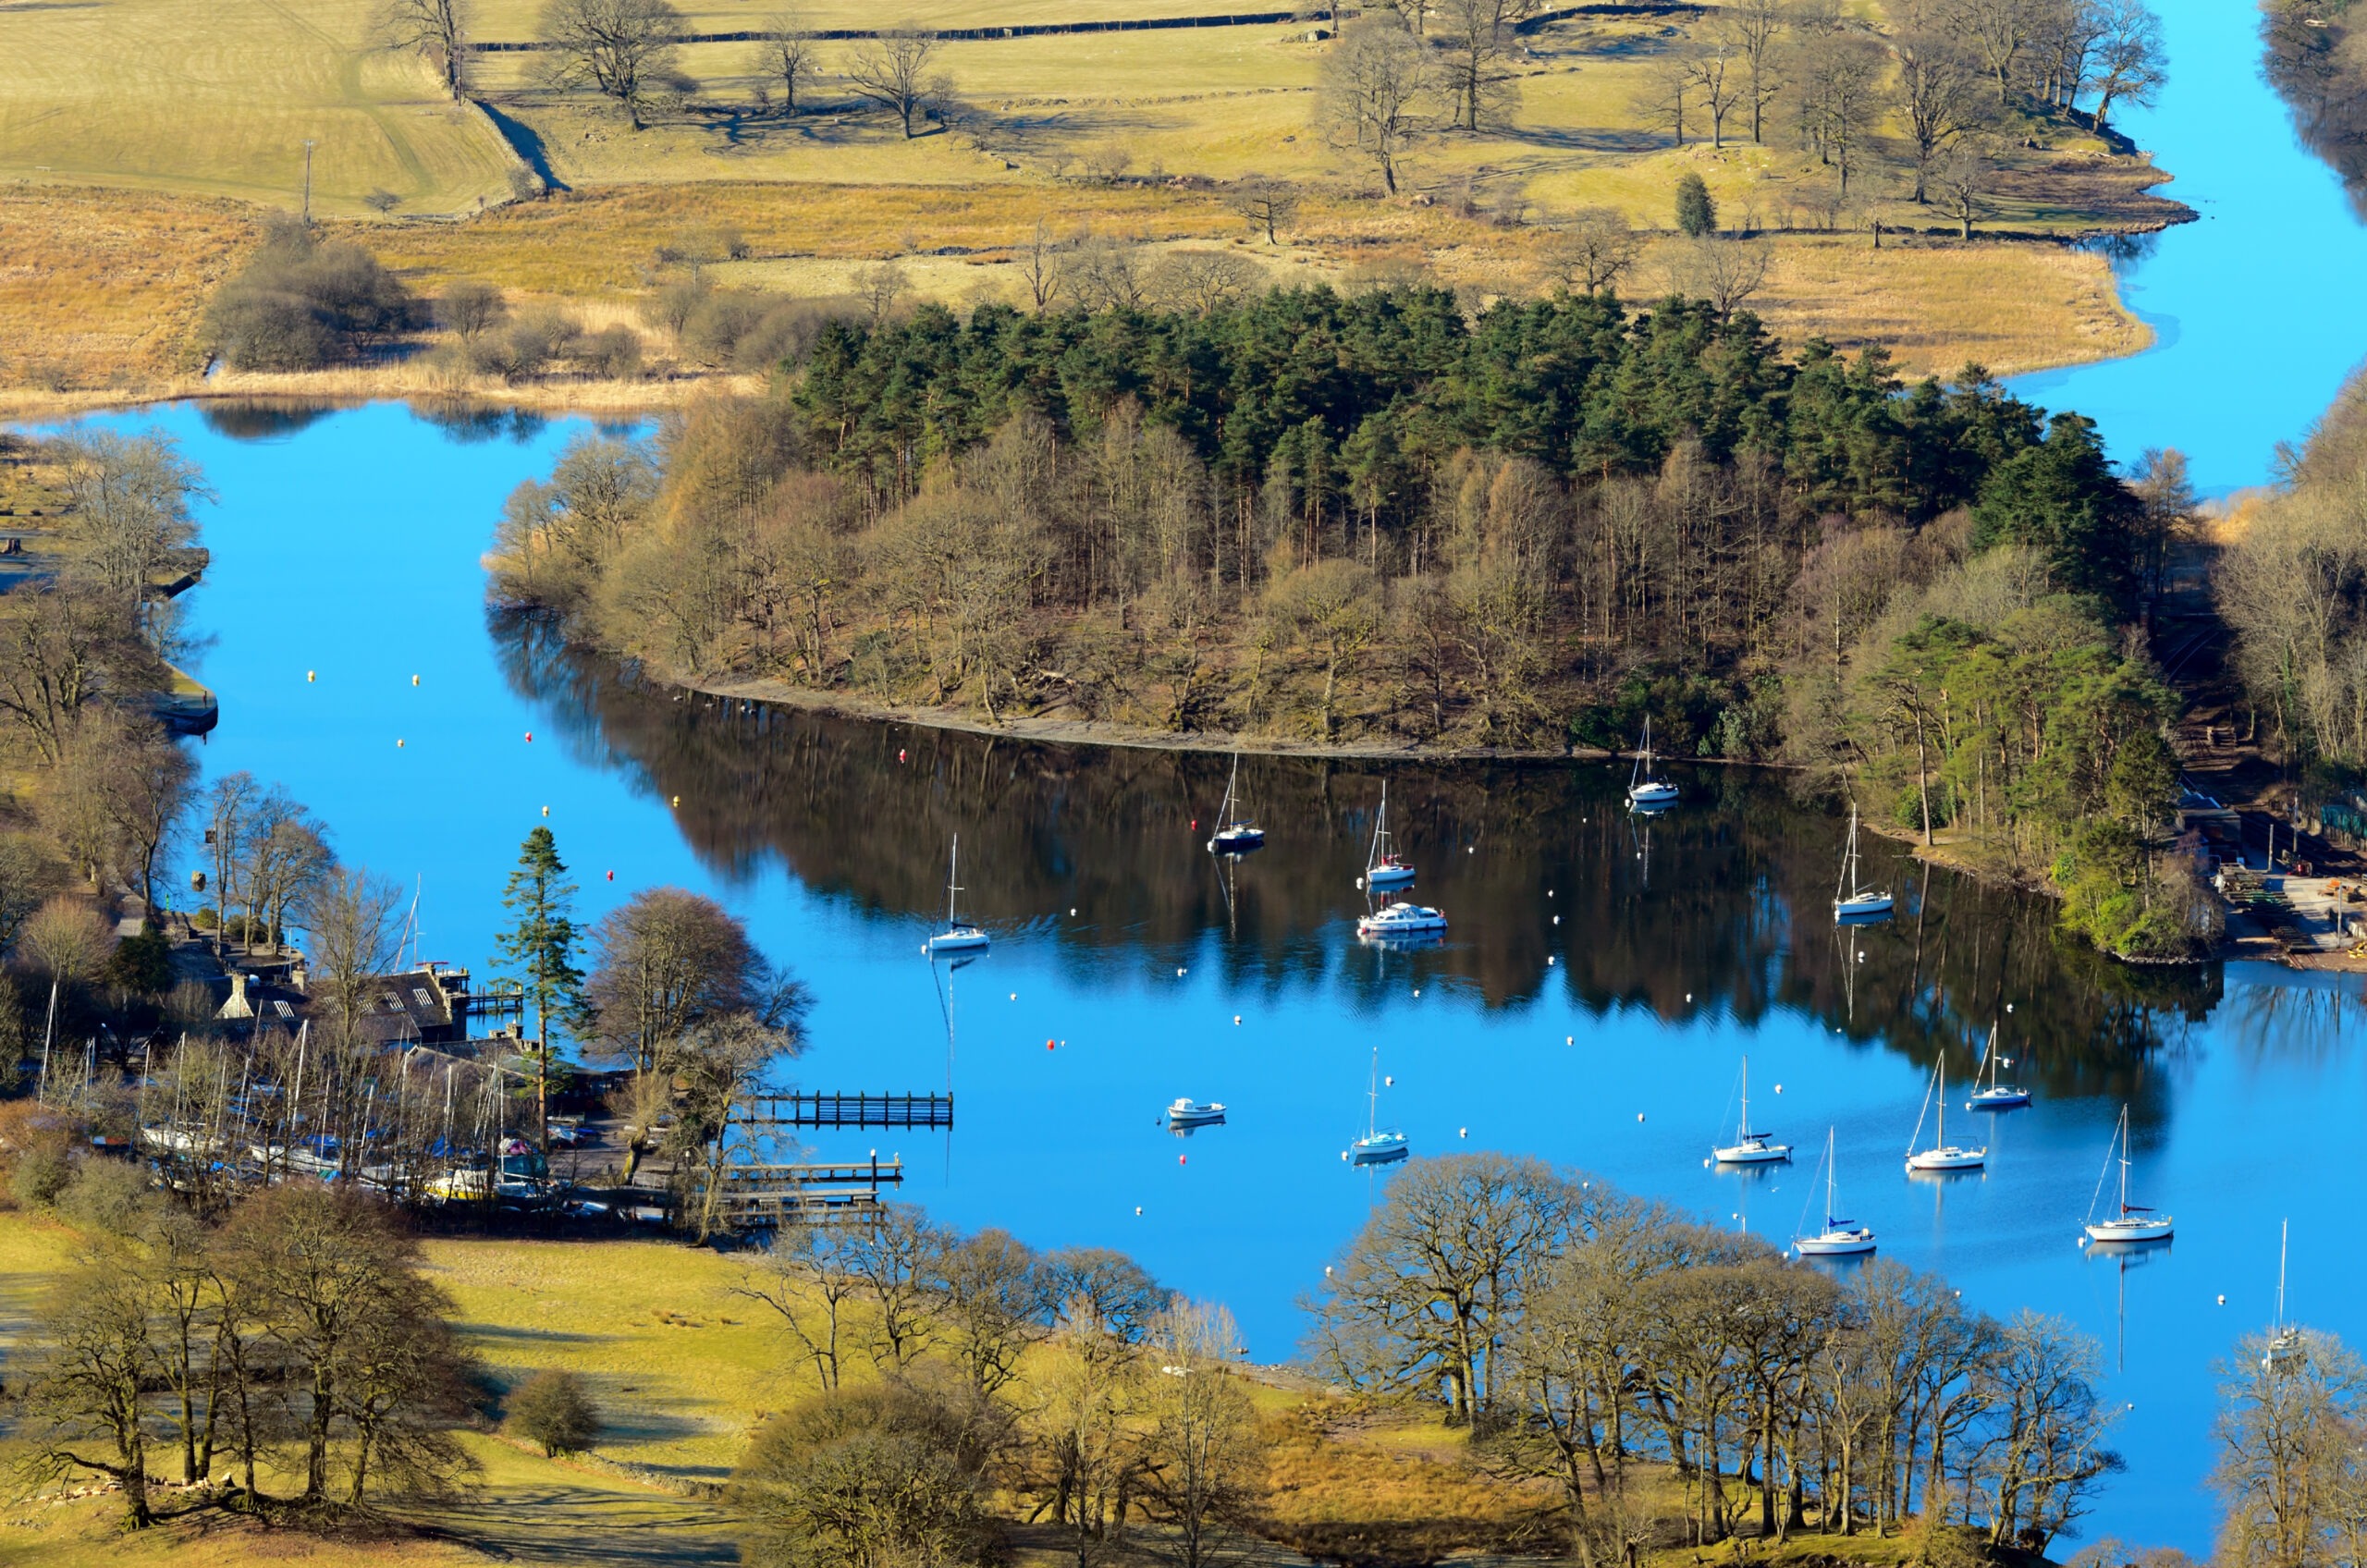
(1852, 899)
(1236, 835)
(1840, 1238)
(2131, 1222)
(1941, 1155)
(1384, 867)
(1646, 789)
(1380, 1145)
(1749, 1147)
(1995, 1094)
(959, 936)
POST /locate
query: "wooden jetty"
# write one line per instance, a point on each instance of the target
(824, 1109)
(756, 1197)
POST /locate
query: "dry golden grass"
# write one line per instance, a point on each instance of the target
(147, 93)
(1364, 1487)
(101, 288)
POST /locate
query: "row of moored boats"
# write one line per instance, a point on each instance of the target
(1842, 1237)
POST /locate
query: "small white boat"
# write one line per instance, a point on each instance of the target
(1189, 1112)
(1380, 1145)
(2133, 1222)
(1401, 920)
(1749, 1147)
(1941, 1155)
(1645, 788)
(1995, 1094)
(1384, 867)
(1852, 899)
(1840, 1238)
(1234, 835)
(959, 935)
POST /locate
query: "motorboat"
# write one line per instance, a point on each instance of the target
(959, 936)
(2131, 1222)
(1749, 1147)
(1236, 835)
(1995, 1094)
(1401, 920)
(1380, 1145)
(1840, 1238)
(1189, 1112)
(1941, 1155)
(1384, 867)
(1646, 789)
(1852, 899)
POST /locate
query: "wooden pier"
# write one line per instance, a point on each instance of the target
(756, 1197)
(821, 1109)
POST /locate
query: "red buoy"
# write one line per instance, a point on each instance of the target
(530, 737)
(612, 876)
(1048, 1045)
(1178, 1159)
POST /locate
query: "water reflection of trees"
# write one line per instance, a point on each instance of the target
(2311, 56)
(1718, 906)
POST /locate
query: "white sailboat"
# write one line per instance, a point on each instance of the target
(1645, 788)
(1852, 899)
(1749, 1147)
(1840, 1238)
(1234, 835)
(959, 935)
(1384, 867)
(2286, 1348)
(1380, 1145)
(1941, 1155)
(1995, 1094)
(2132, 1223)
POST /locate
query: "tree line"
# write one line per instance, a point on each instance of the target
(1588, 1336)
(1378, 516)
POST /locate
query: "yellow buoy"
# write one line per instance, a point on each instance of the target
(307, 676)
(547, 811)
(414, 679)
(399, 745)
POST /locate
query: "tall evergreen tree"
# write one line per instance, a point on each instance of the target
(541, 949)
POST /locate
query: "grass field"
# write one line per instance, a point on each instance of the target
(150, 94)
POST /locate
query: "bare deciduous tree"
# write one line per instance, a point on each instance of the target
(437, 30)
(1474, 42)
(790, 56)
(622, 48)
(893, 71)
(2132, 63)
(1376, 91)
(1726, 273)
(1594, 249)
(1267, 205)
(1937, 99)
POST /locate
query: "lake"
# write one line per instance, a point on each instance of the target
(1603, 977)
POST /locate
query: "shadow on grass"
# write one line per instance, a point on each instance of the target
(601, 1528)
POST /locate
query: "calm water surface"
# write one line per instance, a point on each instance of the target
(1603, 979)
(2256, 307)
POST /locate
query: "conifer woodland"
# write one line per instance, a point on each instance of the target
(1382, 519)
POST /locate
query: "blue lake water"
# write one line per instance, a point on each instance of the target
(2256, 307)
(1603, 978)
(1609, 1040)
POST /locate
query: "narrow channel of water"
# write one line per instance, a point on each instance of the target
(2257, 306)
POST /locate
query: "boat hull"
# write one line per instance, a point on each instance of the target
(1753, 1154)
(1389, 877)
(1652, 795)
(1237, 842)
(1998, 1100)
(1195, 1116)
(963, 939)
(1948, 1159)
(1418, 923)
(1873, 906)
(2125, 1232)
(1381, 1153)
(1835, 1244)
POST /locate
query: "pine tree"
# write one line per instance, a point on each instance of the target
(1697, 214)
(541, 948)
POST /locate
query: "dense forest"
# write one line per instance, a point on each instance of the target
(1381, 518)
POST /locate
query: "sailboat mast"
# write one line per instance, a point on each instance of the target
(1742, 1133)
